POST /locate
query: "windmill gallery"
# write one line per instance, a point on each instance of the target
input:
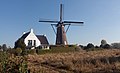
(60, 33)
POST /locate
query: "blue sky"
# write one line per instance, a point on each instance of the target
(101, 19)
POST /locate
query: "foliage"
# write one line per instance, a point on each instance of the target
(56, 49)
(20, 44)
(3, 56)
(81, 46)
(106, 46)
(97, 46)
(71, 45)
(24, 52)
(31, 51)
(94, 49)
(18, 51)
(89, 46)
(12, 64)
(116, 45)
(103, 42)
(0, 47)
(4, 47)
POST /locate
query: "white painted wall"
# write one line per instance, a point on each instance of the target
(32, 37)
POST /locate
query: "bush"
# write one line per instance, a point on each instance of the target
(103, 42)
(31, 51)
(97, 46)
(89, 46)
(20, 44)
(107, 46)
(94, 49)
(116, 45)
(18, 51)
(81, 46)
(14, 64)
(56, 49)
(72, 45)
(3, 56)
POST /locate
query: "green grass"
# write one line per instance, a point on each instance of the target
(57, 49)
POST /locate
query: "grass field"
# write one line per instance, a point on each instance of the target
(101, 61)
(59, 49)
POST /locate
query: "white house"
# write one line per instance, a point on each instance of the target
(31, 40)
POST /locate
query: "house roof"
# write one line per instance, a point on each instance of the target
(25, 35)
(42, 39)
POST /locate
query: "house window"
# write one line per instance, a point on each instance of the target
(35, 43)
(30, 43)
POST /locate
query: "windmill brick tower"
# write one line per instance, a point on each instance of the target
(61, 38)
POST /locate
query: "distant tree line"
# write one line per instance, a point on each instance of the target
(21, 49)
(4, 47)
(103, 45)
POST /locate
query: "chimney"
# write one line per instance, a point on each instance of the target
(24, 32)
(31, 30)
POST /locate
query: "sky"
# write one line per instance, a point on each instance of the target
(101, 20)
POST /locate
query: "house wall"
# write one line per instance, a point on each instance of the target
(45, 46)
(32, 37)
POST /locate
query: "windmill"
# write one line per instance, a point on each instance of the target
(61, 33)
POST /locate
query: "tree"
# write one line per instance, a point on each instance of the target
(81, 46)
(0, 47)
(20, 44)
(107, 46)
(90, 45)
(96, 46)
(4, 47)
(115, 45)
(103, 42)
(18, 51)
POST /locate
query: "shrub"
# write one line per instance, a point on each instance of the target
(56, 49)
(97, 46)
(14, 64)
(89, 46)
(81, 46)
(3, 56)
(107, 46)
(103, 42)
(11, 51)
(31, 51)
(116, 45)
(20, 44)
(18, 51)
(72, 45)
